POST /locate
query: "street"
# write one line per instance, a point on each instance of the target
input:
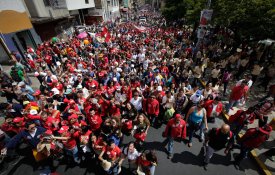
(184, 161)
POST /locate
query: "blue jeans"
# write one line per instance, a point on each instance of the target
(193, 127)
(113, 170)
(74, 153)
(231, 104)
(170, 145)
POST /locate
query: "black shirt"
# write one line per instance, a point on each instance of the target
(219, 140)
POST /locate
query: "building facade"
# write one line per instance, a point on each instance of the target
(105, 10)
(16, 29)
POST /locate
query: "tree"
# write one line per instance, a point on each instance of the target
(248, 18)
(174, 9)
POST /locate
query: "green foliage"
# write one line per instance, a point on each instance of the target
(249, 18)
(174, 9)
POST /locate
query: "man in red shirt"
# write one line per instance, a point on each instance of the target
(110, 154)
(175, 129)
(253, 138)
(151, 108)
(238, 92)
(69, 144)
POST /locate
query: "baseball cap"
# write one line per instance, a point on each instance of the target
(177, 116)
(37, 92)
(63, 129)
(33, 112)
(73, 116)
(18, 119)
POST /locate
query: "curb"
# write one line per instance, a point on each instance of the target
(253, 153)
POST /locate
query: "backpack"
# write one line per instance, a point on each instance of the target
(15, 74)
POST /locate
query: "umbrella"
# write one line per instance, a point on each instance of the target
(82, 35)
(54, 39)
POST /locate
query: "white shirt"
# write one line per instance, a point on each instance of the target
(249, 83)
(137, 103)
(215, 73)
(33, 134)
(196, 99)
(131, 156)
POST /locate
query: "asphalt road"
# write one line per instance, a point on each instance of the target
(185, 160)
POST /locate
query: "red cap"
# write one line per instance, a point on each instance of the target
(100, 74)
(73, 116)
(18, 119)
(83, 123)
(54, 81)
(49, 132)
(37, 92)
(177, 116)
(63, 129)
(72, 102)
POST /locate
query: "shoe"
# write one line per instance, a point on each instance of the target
(236, 165)
(189, 145)
(272, 158)
(205, 166)
(169, 156)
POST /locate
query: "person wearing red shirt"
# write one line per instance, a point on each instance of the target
(237, 93)
(111, 153)
(175, 129)
(240, 119)
(13, 126)
(147, 162)
(213, 109)
(69, 144)
(95, 120)
(98, 144)
(151, 108)
(253, 138)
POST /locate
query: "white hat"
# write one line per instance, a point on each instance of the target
(14, 84)
(55, 91)
(36, 74)
(79, 86)
(239, 50)
(69, 86)
(132, 65)
(58, 63)
(114, 79)
(159, 88)
(33, 112)
(21, 83)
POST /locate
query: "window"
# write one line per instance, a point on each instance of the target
(87, 1)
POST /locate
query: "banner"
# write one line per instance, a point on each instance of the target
(206, 16)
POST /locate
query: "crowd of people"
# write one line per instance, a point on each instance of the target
(122, 79)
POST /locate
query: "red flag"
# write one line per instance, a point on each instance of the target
(104, 31)
(108, 37)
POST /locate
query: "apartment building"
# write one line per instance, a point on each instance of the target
(16, 29)
(105, 10)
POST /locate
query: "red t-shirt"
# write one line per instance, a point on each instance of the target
(237, 93)
(112, 154)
